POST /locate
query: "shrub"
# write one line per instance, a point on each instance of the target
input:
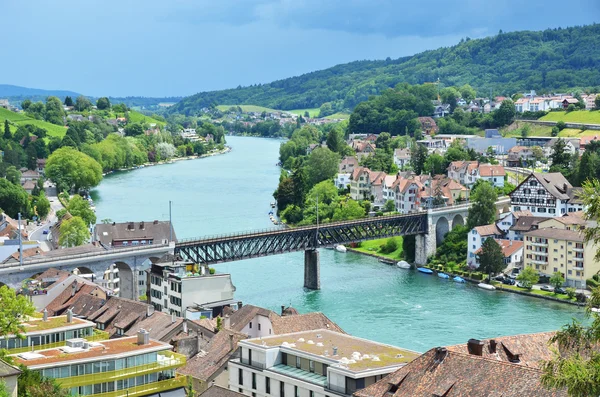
(390, 246)
(555, 131)
(379, 213)
(581, 297)
(591, 283)
(211, 270)
(570, 292)
(561, 125)
(596, 277)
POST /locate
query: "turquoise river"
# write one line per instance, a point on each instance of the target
(232, 192)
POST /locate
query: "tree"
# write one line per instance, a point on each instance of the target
(597, 102)
(560, 157)
(561, 125)
(483, 210)
(80, 207)
(134, 129)
(467, 92)
(25, 104)
(525, 130)
(449, 95)
(418, 158)
(348, 210)
(389, 206)
(505, 114)
(70, 169)
(166, 150)
(555, 131)
(13, 199)
(82, 103)
(557, 279)
(54, 112)
(33, 384)
(73, 232)
(528, 277)
(383, 141)
(103, 103)
(589, 166)
(538, 153)
(7, 133)
(13, 311)
(42, 205)
(335, 140)
(322, 164)
(68, 101)
(13, 175)
(491, 258)
(435, 164)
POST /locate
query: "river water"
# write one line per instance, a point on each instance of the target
(232, 192)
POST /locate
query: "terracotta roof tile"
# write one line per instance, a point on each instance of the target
(488, 230)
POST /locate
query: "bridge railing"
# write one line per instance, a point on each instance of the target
(87, 255)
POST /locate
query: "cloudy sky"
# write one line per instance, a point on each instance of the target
(180, 47)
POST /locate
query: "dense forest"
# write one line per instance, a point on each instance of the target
(553, 59)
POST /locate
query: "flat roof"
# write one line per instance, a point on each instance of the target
(35, 326)
(354, 353)
(104, 350)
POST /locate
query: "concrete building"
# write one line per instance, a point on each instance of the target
(545, 194)
(134, 233)
(9, 375)
(126, 366)
(498, 145)
(312, 364)
(185, 290)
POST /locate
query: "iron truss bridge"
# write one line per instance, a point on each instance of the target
(233, 247)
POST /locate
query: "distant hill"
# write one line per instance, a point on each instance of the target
(7, 90)
(553, 59)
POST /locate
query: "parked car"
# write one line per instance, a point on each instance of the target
(45, 231)
(521, 285)
(509, 281)
(560, 290)
(547, 288)
(499, 277)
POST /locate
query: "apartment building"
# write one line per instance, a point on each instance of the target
(130, 366)
(546, 194)
(365, 183)
(187, 290)
(315, 363)
(469, 172)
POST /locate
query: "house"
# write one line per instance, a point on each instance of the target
(504, 366)
(192, 290)
(464, 172)
(41, 165)
(406, 194)
(4, 103)
(590, 101)
(523, 224)
(519, 155)
(402, 158)
(312, 363)
(9, 375)
(348, 164)
(428, 125)
(569, 101)
(365, 184)
(476, 237)
(363, 148)
(76, 117)
(372, 138)
(498, 145)
(571, 146)
(28, 186)
(494, 174)
(433, 144)
(442, 188)
(441, 110)
(342, 181)
(134, 233)
(512, 252)
(544, 194)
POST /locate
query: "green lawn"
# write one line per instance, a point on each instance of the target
(374, 246)
(248, 108)
(546, 130)
(136, 117)
(578, 116)
(536, 292)
(343, 116)
(314, 112)
(17, 119)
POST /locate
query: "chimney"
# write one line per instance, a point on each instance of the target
(199, 342)
(231, 346)
(282, 309)
(130, 226)
(172, 318)
(227, 321)
(143, 337)
(440, 354)
(69, 315)
(155, 222)
(114, 223)
(45, 312)
(142, 225)
(185, 327)
(335, 351)
(475, 347)
(73, 289)
(493, 346)
(149, 310)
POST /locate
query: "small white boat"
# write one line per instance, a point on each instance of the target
(486, 286)
(403, 265)
(340, 248)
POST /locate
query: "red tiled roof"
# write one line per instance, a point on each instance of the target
(509, 247)
(488, 170)
(488, 230)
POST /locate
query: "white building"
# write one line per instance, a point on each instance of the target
(546, 195)
(342, 181)
(406, 195)
(476, 238)
(493, 174)
(316, 363)
(402, 158)
(469, 172)
(188, 291)
(512, 252)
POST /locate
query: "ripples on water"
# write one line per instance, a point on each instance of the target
(367, 298)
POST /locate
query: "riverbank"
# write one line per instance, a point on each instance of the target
(227, 149)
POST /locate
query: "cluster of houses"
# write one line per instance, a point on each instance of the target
(531, 102)
(250, 119)
(93, 343)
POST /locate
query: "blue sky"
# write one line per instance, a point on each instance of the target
(180, 47)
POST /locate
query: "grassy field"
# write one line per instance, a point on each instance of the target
(248, 108)
(343, 116)
(17, 119)
(535, 292)
(374, 247)
(314, 112)
(578, 116)
(543, 130)
(136, 117)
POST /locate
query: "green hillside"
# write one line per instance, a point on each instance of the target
(17, 119)
(247, 108)
(553, 59)
(136, 117)
(577, 116)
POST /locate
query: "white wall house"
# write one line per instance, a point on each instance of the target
(544, 194)
(402, 158)
(476, 237)
(493, 174)
(342, 181)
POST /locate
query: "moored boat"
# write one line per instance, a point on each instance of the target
(459, 279)
(443, 275)
(403, 265)
(340, 248)
(486, 286)
(425, 270)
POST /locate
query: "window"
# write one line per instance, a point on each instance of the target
(298, 364)
(281, 389)
(250, 359)
(259, 326)
(240, 376)
(311, 365)
(311, 393)
(250, 325)
(296, 392)
(267, 385)
(253, 380)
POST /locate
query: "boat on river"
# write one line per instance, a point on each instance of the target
(425, 270)
(403, 265)
(486, 286)
(340, 248)
(459, 279)
(443, 275)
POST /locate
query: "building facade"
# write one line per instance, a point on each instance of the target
(544, 194)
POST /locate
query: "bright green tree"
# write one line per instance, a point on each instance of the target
(82, 103)
(54, 112)
(483, 209)
(335, 140)
(467, 92)
(13, 311)
(449, 95)
(80, 207)
(557, 279)
(13, 175)
(70, 170)
(491, 259)
(505, 114)
(435, 164)
(42, 205)
(528, 277)
(13, 199)
(348, 210)
(322, 164)
(73, 232)
(389, 206)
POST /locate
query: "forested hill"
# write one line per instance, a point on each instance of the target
(553, 59)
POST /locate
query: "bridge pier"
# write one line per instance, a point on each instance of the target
(425, 244)
(312, 270)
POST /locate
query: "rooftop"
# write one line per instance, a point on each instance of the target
(34, 326)
(112, 348)
(355, 353)
(557, 234)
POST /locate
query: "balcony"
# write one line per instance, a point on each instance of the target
(537, 262)
(169, 360)
(538, 244)
(150, 388)
(97, 336)
(300, 374)
(534, 252)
